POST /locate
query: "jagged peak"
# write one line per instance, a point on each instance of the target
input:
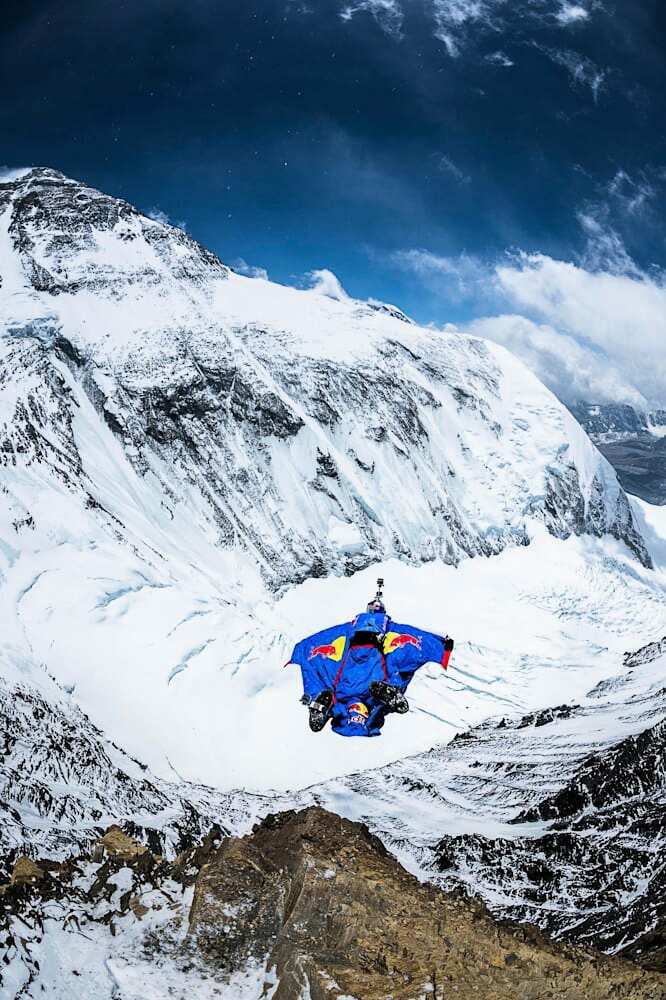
(23, 175)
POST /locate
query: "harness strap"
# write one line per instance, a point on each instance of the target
(338, 676)
(341, 668)
(384, 667)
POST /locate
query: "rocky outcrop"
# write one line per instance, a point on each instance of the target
(614, 421)
(320, 901)
(597, 874)
(640, 464)
(62, 782)
(55, 226)
(308, 905)
(63, 924)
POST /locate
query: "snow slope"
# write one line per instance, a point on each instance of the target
(193, 464)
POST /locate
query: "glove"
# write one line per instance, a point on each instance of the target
(448, 649)
(306, 699)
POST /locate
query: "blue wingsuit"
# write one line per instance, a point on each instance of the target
(331, 660)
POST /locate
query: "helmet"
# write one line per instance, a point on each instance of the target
(375, 606)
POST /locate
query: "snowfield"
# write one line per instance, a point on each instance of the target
(198, 691)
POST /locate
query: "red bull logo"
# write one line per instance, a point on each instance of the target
(358, 713)
(396, 640)
(332, 650)
(325, 650)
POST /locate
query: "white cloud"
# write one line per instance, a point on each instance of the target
(499, 58)
(8, 174)
(454, 20)
(447, 166)
(617, 320)
(583, 71)
(157, 215)
(456, 278)
(593, 330)
(459, 12)
(571, 13)
(387, 13)
(605, 250)
(573, 371)
(451, 17)
(633, 195)
(326, 283)
(249, 270)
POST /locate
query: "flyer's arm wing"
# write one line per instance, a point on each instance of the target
(319, 657)
(407, 648)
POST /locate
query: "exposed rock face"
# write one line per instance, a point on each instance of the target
(627, 438)
(71, 928)
(26, 871)
(55, 227)
(640, 463)
(307, 907)
(615, 421)
(597, 874)
(319, 899)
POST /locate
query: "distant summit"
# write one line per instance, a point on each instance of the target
(633, 441)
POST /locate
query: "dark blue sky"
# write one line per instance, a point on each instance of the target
(286, 134)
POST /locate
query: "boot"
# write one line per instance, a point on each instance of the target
(389, 695)
(319, 710)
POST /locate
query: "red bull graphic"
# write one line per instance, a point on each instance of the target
(358, 713)
(325, 650)
(331, 650)
(396, 640)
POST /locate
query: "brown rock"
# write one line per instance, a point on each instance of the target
(25, 871)
(324, 903)
(120, 845)
(137, 907)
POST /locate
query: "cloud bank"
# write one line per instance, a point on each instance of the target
(387, 13)
(607, 329)
(593, 330)
(453, 20)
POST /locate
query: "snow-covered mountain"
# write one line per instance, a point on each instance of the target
(607, 422)
(180, 442)
(634, 442)
(287, 422)
(198, 468)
